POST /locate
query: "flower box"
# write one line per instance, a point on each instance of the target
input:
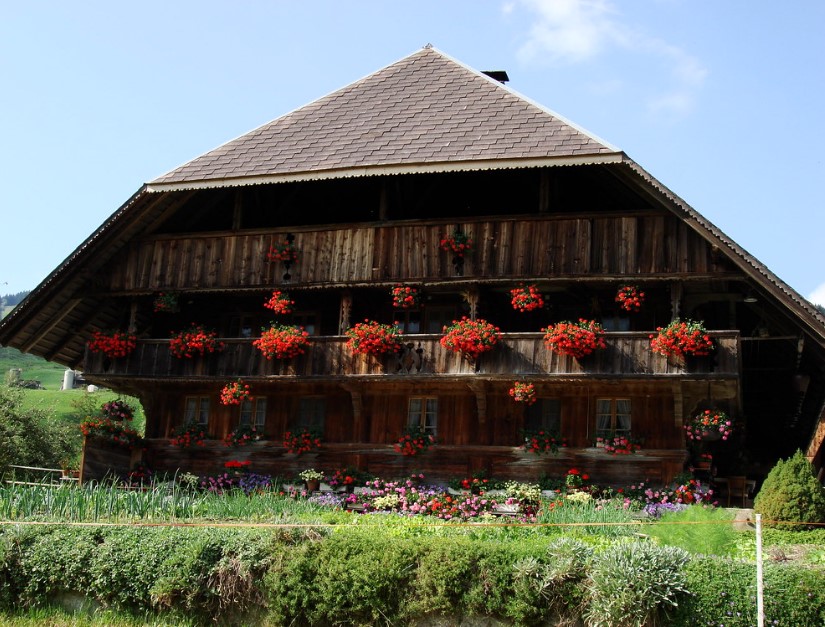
(405, 297)
(282, 250)
(523, 393)
(113, 344)
(577, 339)
(194, 341)
(301, 441)
(414, 442)
(282, 342)
(458, 243)
(235, 393)
(373, 338)
(471, 338)
(682, 337)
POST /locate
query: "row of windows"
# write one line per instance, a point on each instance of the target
(613, 415)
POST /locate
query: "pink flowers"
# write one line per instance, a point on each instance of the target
(709, 424)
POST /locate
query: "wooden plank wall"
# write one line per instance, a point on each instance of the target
(506, 247)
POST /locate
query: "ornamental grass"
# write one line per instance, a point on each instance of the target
(577, 339)
(282, 342)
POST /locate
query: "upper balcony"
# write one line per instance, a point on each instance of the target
(627, 355)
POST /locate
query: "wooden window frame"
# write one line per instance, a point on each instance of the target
(613, 415)
(417, 419)
(254, 408)
(197, 415)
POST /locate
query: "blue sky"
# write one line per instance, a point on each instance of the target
(721, 101)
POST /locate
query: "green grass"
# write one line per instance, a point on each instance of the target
(49, 374)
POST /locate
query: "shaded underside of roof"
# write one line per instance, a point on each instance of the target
(424, 109)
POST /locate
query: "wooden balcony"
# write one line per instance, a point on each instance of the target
(627, 355)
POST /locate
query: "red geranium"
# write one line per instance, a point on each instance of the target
(114, 344)
(413, 442)
(681, 337)
(235, 393)
(630, 298)
(542, 441)
(404, 297)
(110, 429)
(189, 435)
(621, 445)
(280, 303)
(165, 302)
(526, 298)
(282, 342)
(300, 442)
(577, 339)
(523, 393)
(195, 340)
(458, 243)
(470, 337)
(282, 251)
(373, 338)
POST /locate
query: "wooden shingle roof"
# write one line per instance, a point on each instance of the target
(426, 110)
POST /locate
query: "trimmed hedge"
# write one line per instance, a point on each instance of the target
(367, 576)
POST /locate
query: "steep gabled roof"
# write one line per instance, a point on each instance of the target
(426, 112)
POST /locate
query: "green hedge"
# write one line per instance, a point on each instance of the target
(367, 576)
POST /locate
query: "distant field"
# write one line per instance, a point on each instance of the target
(50, 375)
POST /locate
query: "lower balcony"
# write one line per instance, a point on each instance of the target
(627, 354)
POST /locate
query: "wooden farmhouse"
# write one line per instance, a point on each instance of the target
(438, 181)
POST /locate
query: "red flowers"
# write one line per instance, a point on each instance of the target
(471, 338)
(413, 442)
(280, 303)
(165, 302)
(189, 435)
(681, 337)
(405, 297)
(458, 243)
(235, 393)
(523, 393)
(526, 298)
(282, 342)
(630, 298)
(621, 445)
(542, 441)
(195, 340)
(301, 442)
(242, 435)
(576, 478)
(373, 338)
(235, 464)
(114, 344)
(117, 410)
(282, 251)
(113, 430)
(709, 424)
(577, 339)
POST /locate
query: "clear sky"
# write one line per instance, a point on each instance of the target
(721, 101)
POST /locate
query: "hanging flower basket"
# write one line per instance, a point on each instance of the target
(117, 410)
(577, 339)
(709, 425)
(280, 303)
(113, 431)
(458, 243)
(405, 297)
(681, 337)
(113, 344)
(302, 441)
(194, 341)
(526, 298)
(541, 442)
(630, 298)
(282, 342)
(373, 338)
(235, 393)
(414, 442)
(242, 435)
(282, 251)
(471, 338)
(166, 302)
(523, 393)
(189, 435)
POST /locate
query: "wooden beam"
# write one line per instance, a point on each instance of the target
(53, 322)
(479, 388)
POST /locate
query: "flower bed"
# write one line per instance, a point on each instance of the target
(577, 339)
(373, 338)
(471, 338)
(280, 303)
(113, 344)
(235, 393)
(282, 342)
(709, 424)
(526, 298)
(681, 337)
(194, 341)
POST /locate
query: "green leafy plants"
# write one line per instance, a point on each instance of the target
(791, 494)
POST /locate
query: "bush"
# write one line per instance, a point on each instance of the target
(791, 493)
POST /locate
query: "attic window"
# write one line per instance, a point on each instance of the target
(498, 75)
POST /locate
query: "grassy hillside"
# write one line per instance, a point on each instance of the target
(49, 374)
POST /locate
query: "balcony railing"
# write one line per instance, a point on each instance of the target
(626, 355)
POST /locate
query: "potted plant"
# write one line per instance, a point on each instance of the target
(523, 393)
(621, 445)
(301, 441)
(414, 441)
(577, 339)
(189, 435)
(471, 338)
(541, 441)
(709, 425)
(373, 338)
(280, 303)
(630, 298)
(312, 478)
(405, 296)
(113, 431)
(113, 344)
(194, 340)
(242, 435)
(680, 338)
(458, 243)
(575, 479)
(281, 341)
(117, 410)
(282, 250)
(166, 302)
(235, 393)
(526, 298)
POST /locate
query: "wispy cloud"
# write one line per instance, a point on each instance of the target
(818, 295)
(567, 32)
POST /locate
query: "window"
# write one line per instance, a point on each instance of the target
(422, 412)
(612, 417)
(438, 317)
(311, 413)
(308, 320)
(545, 415)
(408, 320)
(196, 410)
(253, 412)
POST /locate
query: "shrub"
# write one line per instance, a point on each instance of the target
(634, 584)
(791, 493)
